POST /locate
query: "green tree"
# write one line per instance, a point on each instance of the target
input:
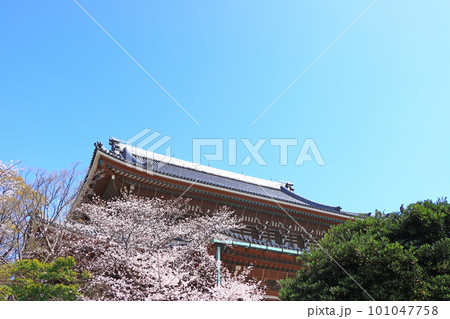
(403, 256)
(35, 280)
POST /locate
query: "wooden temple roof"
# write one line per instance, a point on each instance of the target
(201, 174)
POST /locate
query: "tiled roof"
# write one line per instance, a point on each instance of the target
(159, 164)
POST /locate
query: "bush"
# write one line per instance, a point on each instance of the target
(35, 280)
(403, 256)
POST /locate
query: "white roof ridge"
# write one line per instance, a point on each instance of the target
(198, 167)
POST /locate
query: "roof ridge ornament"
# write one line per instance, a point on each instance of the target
(114, 142)
(288, 185)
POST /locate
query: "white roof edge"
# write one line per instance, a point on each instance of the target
(199, 167)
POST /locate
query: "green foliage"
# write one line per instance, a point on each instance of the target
(402, 256)
(35, 280)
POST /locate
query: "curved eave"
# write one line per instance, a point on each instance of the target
(280, 203)
(88, 179)
(288, 195)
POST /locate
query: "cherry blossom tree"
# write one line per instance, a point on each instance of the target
(154, 249)
(31, 203)
(10, 186)
(9, 181)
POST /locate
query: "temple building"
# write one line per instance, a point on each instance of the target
(279, 224)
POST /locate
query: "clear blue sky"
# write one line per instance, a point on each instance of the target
(377, 104)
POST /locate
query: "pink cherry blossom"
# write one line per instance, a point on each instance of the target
(154, 249)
